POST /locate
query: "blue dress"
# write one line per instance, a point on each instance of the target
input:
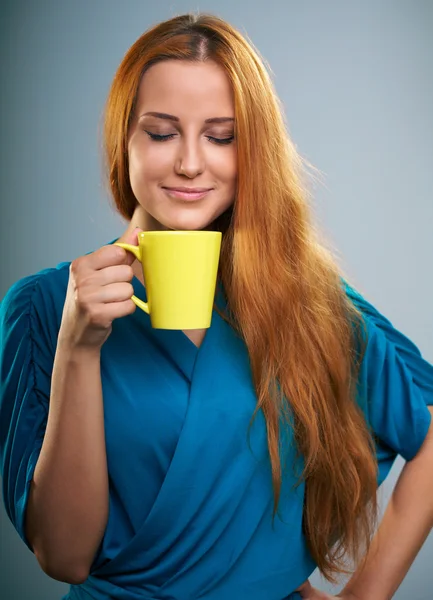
(190, 501)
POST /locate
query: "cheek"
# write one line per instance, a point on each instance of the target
(149, 163)
(225, 166)
(232, 170)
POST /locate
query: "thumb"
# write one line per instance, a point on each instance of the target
(131, 238)
(305, 589)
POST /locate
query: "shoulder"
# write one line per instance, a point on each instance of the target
(43, 287)
(33, 305)
(392, 364)
(380, 332)
(370, 315)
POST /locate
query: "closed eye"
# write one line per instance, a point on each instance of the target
(164, 138)
(227, 140)
(159, 138)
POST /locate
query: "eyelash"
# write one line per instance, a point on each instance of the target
(164, 138)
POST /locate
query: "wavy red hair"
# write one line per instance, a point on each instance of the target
(284, 288)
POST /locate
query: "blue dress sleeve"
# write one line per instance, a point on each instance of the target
(395, 387)
(26, 360)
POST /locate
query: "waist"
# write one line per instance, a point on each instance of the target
(78, 593)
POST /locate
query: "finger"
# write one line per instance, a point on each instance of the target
(114, 292)
(131, 238)
(115, 310)
(113, 274)
(121, 309)
(106, 256)
(129, 257)
(305, 586)
(305, 589)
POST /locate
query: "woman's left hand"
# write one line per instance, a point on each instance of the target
(308, 592)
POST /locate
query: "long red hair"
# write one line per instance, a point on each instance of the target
(283, 287)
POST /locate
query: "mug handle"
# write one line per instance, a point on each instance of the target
(136, 252)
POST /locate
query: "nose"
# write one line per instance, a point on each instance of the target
(190, 160)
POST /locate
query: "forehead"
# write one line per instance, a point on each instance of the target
(185, 89)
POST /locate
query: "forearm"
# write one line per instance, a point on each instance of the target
(68, 504)
(406, 524)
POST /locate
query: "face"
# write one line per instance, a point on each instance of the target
(182, 154)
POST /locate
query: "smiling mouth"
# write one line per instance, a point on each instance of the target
(187, 193)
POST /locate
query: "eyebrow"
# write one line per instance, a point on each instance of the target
(159, 115)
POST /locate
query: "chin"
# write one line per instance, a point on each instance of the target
(186, 223)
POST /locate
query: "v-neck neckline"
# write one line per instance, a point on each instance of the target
(140, 291)
(174, 341)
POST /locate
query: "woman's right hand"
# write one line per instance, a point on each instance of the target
(99, 291)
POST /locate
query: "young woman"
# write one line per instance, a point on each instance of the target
(220, 464)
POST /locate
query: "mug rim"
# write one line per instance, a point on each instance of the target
(177, 232)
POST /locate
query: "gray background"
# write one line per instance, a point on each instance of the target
(356, 82)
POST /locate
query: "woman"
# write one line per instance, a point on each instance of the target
(218, 464)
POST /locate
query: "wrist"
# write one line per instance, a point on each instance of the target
(349, 594)
(77, 353)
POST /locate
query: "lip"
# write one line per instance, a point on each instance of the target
(185, 193)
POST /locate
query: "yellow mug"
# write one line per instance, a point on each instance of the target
(180, 272)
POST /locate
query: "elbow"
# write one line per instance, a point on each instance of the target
(60, 563)
(72, 576)
(67, 573)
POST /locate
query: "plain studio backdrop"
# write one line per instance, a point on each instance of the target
(356, 82)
